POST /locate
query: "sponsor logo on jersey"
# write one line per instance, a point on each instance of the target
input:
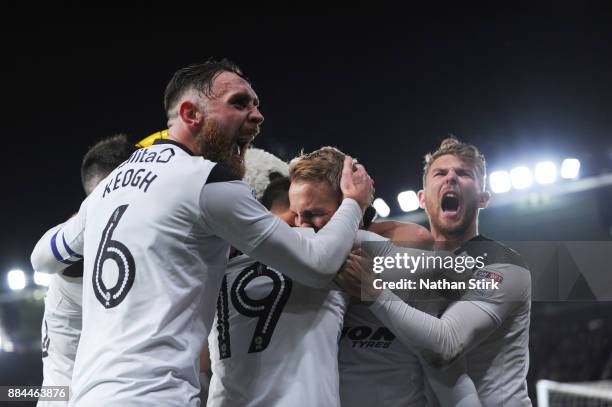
(367, 336)
(489, 275)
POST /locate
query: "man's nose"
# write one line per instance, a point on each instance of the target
(255, 116)
(451, 177)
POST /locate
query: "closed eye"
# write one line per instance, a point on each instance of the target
(310, 215)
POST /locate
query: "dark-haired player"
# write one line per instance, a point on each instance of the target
(62, 320)
(155, 238)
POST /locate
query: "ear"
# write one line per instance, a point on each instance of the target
(421, 195)
(190, 114)
(484, 199)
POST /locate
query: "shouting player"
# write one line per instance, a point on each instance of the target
(488, 327)
(154, 237)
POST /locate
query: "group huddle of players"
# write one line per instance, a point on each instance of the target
(193, 246)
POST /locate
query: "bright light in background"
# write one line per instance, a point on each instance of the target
(521, 177)
(16, 279)
(38, 295)
(381, 207)
(408, 201)
(500, 181)
(8, 346)
(570, 168)
(5, 344)
(42, 279)
(545, 172)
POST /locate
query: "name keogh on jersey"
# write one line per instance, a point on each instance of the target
(138, 178)
(366, 337)
(131, 177)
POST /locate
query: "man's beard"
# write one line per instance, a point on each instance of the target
(456, 231)
(219, 148)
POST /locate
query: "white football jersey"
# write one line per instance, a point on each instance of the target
(140, 262)
(376, 369)
(150, 267)
(274, 341)
(499, 364)
(61, 330)
(491, 321)
(154, 258)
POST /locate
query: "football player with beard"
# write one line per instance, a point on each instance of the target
(155, 238)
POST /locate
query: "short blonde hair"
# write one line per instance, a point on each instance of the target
(324, 164)
(465, 152)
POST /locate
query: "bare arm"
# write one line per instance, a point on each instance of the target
(404, 234)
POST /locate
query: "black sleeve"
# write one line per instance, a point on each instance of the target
(221, 174)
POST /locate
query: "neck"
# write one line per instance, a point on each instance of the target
(448, 241)
(184, 137)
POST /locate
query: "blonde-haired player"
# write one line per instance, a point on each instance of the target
(274, 340)
(488, 328)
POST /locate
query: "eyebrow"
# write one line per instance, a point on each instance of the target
(244, 97)
(468, 169)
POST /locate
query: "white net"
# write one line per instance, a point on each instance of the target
(585, 394)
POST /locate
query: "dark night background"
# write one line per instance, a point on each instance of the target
(384, 89)
(522, 86)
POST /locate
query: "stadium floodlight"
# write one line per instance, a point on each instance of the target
(7, 345)
(16, 279)
(408, 201)
(42, 279)
(570, 168)
(381, 207)
(521, 177)
(500, 181)
(545, 172)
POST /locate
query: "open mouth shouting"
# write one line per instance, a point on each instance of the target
(450, 204)
(239, 148)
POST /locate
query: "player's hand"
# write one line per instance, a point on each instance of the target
(357, 184)
(356, 278)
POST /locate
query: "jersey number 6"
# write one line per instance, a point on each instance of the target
(115, 251)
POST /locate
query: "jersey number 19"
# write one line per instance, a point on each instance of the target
(268, 309)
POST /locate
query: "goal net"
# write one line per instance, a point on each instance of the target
(584, 394)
